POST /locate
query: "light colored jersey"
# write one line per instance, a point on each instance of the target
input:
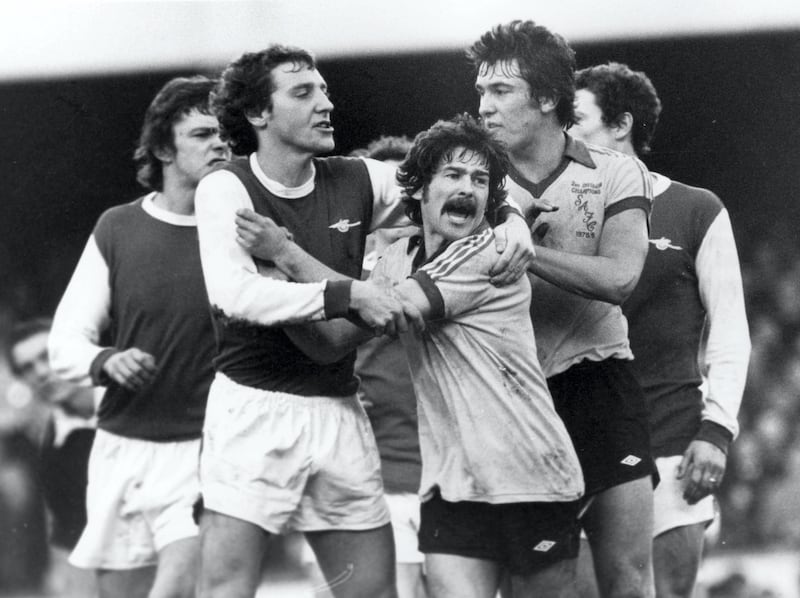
(488, 429)
(591, 185)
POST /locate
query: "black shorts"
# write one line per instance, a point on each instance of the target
(604, 410)
(522, 537)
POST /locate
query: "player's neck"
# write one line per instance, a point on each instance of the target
(289, 168)
(539, 158)
(176, 197)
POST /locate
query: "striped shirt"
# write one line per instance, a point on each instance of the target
(488, 429)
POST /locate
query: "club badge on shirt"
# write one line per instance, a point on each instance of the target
(344, 225)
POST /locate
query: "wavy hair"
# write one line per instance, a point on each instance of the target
(546, 61)
(246, 87)
(437, 145)
(175, 100)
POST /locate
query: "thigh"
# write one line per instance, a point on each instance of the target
(411, 581)
(676, 559)
(453, 576)
(356, 563)
(556, 581)
(178, 564)
(231, 551)
(125, 583)
(619, 525)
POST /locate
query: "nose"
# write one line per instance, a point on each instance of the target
(485, 106)
(325, 104)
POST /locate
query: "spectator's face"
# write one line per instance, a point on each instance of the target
(454, 201)
(506, 107)
(31, 362)
(589, 125)
(300, 118)
(198, 148)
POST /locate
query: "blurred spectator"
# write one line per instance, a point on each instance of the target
(64, 440)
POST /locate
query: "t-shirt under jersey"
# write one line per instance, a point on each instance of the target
(329, 216)
(691, 271)
(488, 429)
(139, 284)
(591, 185)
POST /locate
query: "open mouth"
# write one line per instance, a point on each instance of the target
(324, 126)
(459, 210)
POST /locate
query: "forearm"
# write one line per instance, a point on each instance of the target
(595, 277)
(327, 342)
(231, 276)
(612, 273)
(728, 347)
(81, 316)
(302, 267)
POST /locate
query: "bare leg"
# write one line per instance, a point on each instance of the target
(230, 556)
(557, 581)
(619, 525)
(411, 581)
(178, 564)
(357, 564)
(125, 583)
(676, 559)
(586, 578)
(451, 576)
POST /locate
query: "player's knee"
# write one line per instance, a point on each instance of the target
(676, 584)
(631, 578)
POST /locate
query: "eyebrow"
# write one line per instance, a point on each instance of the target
(463, 169)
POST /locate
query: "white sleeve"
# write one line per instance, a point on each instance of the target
(81, 317)
(728, 348)
(388, 210)
(232, 280)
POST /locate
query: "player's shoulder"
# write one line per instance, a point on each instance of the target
(340, 164)
(121, 212)
(470, 252)
(697, 196)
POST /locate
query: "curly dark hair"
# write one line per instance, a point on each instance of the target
(546, 61)
(618, 89)
(246, 87)
(437, 145)
(385, 147)
(175, 100)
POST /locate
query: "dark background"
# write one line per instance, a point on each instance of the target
(730, 123)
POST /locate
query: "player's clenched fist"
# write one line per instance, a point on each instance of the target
(131, 368)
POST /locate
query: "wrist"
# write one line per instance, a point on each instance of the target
(716, 434)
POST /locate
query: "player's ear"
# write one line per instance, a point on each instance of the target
(623, 126)
(258, 118)
(164, 154)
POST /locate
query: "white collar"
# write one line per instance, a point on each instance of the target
(280, 189)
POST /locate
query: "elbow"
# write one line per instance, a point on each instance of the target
(621, 289)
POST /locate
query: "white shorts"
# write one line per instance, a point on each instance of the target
(139, 500)
(670, 508)
(287, 462)
(404, 509)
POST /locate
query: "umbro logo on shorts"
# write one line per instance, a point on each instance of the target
(544, 546)
(631, 460)
(344, 225)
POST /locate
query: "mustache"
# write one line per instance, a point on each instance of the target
(465, 205)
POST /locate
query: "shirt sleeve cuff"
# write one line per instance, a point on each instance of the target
(716, 434)
(337, 298)
(96, 371)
